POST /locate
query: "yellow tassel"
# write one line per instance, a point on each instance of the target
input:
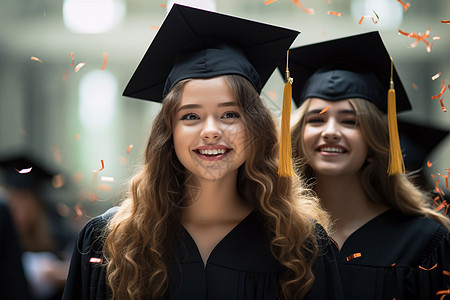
(285, 168)
(396, 164)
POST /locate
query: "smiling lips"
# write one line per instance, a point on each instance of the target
(212, 153)
(332, 149)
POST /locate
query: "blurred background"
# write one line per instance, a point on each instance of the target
(64, 65)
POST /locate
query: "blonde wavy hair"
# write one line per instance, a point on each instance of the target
(138, 246)
(398, 191)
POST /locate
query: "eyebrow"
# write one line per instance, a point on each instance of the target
(193, 106)
(342, 111)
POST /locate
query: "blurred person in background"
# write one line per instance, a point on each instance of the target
(45, 237)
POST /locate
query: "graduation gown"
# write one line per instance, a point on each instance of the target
(395, 256)
(241, 266)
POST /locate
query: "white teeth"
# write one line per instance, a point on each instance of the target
(212, 151)
(331, 149)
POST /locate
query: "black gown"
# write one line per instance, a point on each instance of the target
(13, 284)
(394, 256)
(241, 266)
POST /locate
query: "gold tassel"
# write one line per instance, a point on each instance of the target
(396, 164)
(285, 168)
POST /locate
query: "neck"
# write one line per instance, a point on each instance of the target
(349, 207)
(214, 201)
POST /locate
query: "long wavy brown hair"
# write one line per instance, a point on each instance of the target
(398, 191)
(139, 237)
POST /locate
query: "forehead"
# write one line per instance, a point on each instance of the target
(205, 91)
(317, 103)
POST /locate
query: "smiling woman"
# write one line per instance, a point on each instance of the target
(208, 216)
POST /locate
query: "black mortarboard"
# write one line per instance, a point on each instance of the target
(194, 43)
(358, 66)
(418, 141)
(10, 168)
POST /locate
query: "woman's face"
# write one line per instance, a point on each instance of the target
(209, 135)
(333, 143)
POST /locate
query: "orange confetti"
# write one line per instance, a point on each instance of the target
(163, 5)
(156, 28)
(334, 13)
(79, 66)
(420, 38)
(440, 94)
(446, 273)
(269, 2)
(422, 268)
(305, 9)
(437, 189)
(24, 171)
(445, 21)
(429, 164)
(375, 21)
(442, 205)
(324, 110)
(73, 59)
(415, 86)
(106, 179)
(103, 166)
(435, 200)
(56, 154)
(78, 211)
(442, 105)
(58, 181)
(104, 187)
(66, 75)
(45, 13)
(444, 293)
(405, 6)
(129, 148)
(355, 255)
(93, 197)
(77, 136)
(105, 60)
(436, 76)
(36, 59)
(63, 210)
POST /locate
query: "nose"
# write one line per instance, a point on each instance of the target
(331, 131)
(211, 130)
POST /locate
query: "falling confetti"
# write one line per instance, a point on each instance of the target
(129, 148)
(269, 2)
(36, 59)
(305, 9)
(103, 166)
(156, 28)
(66, 75)
(79, 66)
(442, 105)
(93, 197)
(105, 60)
(445, 21)
(57, 158)
(324, 110)
(334, 13)
(440, 94)
(73, 59)
(436, 76)
(420, 38)
(58, 181)
(63, 210)
(163, 5)
(24, 171)
(429, 164)
(77, 136)
(78, 211)
(95, 260)
(375, 21)
(415, 86)
(107, 179)
(405, 6)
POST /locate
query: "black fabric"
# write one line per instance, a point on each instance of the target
(402, 257)
(241, 266)
(261, 48)
(359, 53)
(13, 284)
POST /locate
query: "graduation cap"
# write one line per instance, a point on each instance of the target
(418, 142)
(194, 43)
(357, 66)
(24, 172)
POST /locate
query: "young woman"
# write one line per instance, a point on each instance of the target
(208, 217)
(392, 244)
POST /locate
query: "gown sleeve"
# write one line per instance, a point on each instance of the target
(327, 282)
(87, 273)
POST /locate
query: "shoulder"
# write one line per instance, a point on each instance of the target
(92, 232)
